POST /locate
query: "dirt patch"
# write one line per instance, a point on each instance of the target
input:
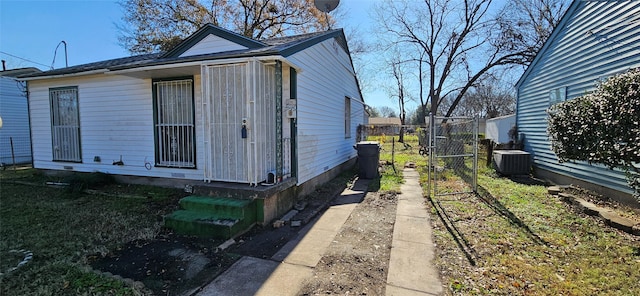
(357, 260)
(174, 264)
(169, 265)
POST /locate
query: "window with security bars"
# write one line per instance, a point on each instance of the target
(174, 123)
(65, 124)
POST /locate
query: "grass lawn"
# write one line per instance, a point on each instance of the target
(515, 239)
(60, 228)
(395, 155)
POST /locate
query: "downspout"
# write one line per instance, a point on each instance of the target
(279, 158)
(27, 92)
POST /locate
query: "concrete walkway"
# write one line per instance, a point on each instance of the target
(411, 268)
(411, 271)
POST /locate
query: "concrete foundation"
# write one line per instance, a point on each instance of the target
(280, 203)
(272, 201)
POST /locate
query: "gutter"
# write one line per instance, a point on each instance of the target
(125, 71)
(150, 68)
(97, 71)
(257, 58)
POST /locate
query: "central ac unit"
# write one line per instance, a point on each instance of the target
(512, 162)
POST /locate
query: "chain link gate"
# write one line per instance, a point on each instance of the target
(453, 150)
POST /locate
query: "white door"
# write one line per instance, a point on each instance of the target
(239, 122)
(65, 124)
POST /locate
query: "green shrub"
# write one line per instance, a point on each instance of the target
(602, 126)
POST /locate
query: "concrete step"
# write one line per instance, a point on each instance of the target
(212, 216)
(222, 206)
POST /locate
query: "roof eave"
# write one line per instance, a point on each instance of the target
(64, 75)
(149, 68)
(292, 49)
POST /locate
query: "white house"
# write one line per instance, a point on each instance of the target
(497, 129)
(15, 143)
(594, 40)
(219, 107)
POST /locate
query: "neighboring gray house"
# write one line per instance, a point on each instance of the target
(594, 40)
(217, 108)
(14, 117)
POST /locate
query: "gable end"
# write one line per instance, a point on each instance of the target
(296, 47)
(207, 30)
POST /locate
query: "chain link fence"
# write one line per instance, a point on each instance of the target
(453, 150)
(15, 150)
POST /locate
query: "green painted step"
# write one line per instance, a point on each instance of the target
(221, 206)
(205, 225)
(212, 216)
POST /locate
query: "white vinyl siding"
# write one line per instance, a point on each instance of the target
(212, 44)
(595, 40)
(15, 122)
(116, 116)
(117, 119)
(325, 79)
(65, 124)
(174, 123)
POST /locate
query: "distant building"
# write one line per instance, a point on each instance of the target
(383, 125)
(497, 129)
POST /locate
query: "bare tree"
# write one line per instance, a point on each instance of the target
(388, 112)
(372, 111)
(487, 100)
(399, 92)
(157, 25)
(461, 41)
(527, 24)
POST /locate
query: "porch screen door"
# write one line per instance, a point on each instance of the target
(239, 122)
(65, 124)
(224, 106)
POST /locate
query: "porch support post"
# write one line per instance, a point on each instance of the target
(279, 160)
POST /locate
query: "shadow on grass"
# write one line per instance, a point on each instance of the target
(458, 236)
(374, 185)
(501, 210)
(498, 207)
(465, 173)
(527, 180)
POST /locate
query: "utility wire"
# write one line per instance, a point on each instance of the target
(30, 61)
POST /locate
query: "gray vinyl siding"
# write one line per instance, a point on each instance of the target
(15, 122)
(116, 119)
(325, 79)
(595, 40)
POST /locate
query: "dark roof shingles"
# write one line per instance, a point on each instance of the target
(274, 46)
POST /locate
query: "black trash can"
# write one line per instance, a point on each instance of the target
(368, 158)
